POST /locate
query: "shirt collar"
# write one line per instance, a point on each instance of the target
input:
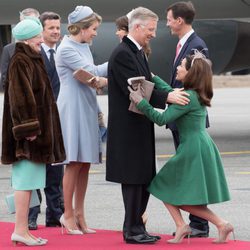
(47, 48)
(185, 37)
(139, 47)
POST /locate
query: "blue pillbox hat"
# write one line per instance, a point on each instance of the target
(79, 13)
(27, 28)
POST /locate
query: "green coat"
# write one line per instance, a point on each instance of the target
(194, 175)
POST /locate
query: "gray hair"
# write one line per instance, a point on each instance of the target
(29, 12)
(141, 15)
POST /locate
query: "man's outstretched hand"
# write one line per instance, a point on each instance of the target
(178, 96)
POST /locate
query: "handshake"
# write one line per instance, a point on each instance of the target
(97, 82)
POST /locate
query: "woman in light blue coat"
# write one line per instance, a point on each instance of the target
(78, 109)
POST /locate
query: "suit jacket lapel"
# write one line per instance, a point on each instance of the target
(143, 63)
(184, 48)
(181, 55)
(46, 60)
(142, 60)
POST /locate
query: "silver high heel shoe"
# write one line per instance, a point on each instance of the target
(15, 238)
(69, 231)
(180, 234)
(224, 233)
(38, 238)
(42, 240)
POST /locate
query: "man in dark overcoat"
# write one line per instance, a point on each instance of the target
(131, 140)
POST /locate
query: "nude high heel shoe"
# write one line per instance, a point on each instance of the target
(224, 233)
(84, 230)
(180, 234)
(88, 231)
(69, 231)
(144, 218)
(15, 238)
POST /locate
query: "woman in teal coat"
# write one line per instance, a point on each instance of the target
(194, 176)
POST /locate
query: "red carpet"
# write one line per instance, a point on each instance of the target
(108, 240)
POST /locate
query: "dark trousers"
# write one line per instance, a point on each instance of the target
(53, 194)
(135, 199)
(34, 211)
(195, 221)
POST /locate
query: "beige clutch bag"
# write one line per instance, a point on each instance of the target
(84, 76)
(147, 87)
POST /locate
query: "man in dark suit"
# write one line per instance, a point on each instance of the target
(180, 16)
(8, 52)
(131, 141)
(53, 191)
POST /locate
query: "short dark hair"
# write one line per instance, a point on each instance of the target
(122, 23)
(184, 10)
(48, 15)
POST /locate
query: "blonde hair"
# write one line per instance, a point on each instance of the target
(85, 23)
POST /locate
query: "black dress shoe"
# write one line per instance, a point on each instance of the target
(32, 225)
(140, 239)
(157, 237)
(196, 233)
(53, 223)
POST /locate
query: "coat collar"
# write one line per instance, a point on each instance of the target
(24, 48)
(143, 62)
(132, 46)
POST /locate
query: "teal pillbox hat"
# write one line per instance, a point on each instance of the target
(27, 29)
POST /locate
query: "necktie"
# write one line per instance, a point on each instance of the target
(178, 48)
(51, 57)
(143, 55)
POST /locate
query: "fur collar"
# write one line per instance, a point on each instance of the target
(24, 48)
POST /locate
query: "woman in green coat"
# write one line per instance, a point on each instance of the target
(194, 176)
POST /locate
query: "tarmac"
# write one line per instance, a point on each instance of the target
(230, 118)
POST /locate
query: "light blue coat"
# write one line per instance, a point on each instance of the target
(77, 103)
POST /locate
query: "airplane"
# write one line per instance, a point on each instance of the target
(224, 25)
